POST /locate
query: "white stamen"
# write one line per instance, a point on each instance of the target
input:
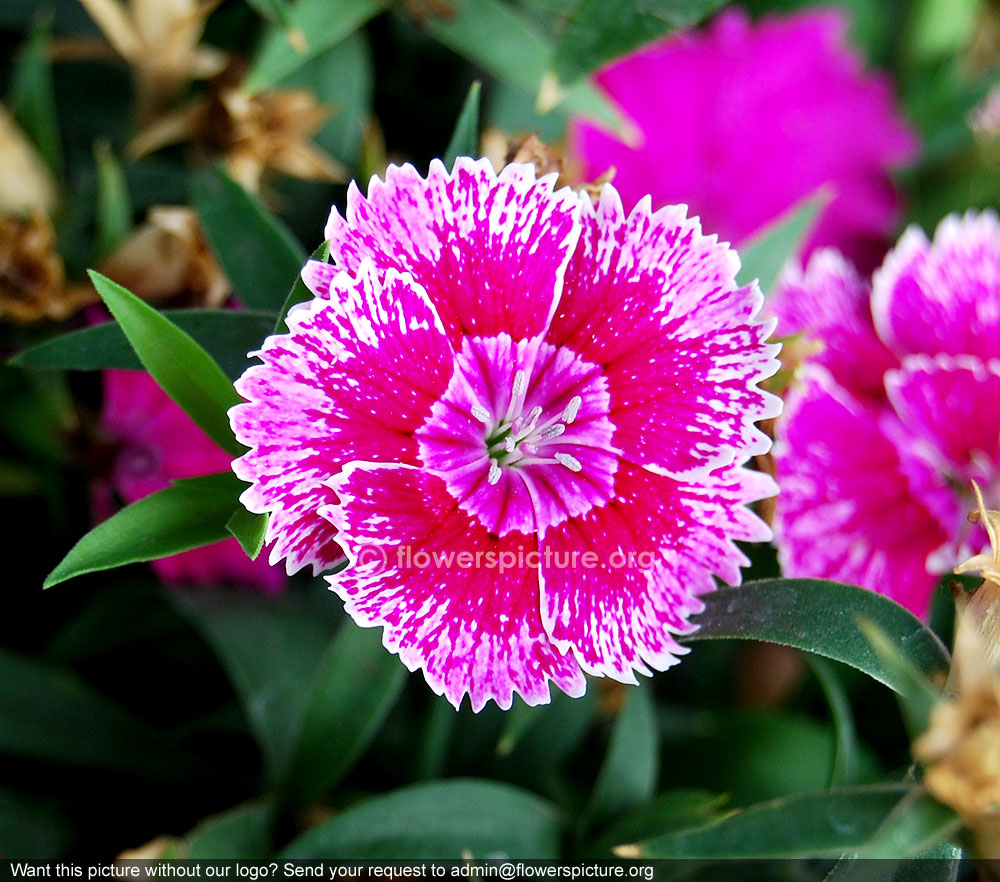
(571, 462)
(481, 413)
(572, 409)
(509, 444)
(519, 384)
(552, 432)
(495, 472)
(532, 417)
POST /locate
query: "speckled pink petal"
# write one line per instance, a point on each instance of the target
(356, 374)
(656, 303)
(652, 551)
(467, 615)
(942, 297)
(489, 250)
(847, 510)
(829, 304)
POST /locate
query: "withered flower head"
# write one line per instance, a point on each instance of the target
(254, 133)
(32, 279)
(167, 258)
(961, 748)
(160, 40)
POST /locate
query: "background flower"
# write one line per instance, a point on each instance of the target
(889, 425)
(743, 120)
(153, 442)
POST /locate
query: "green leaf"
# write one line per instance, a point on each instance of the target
(258, 252)
(500, 40)
(47, 713)
(844, 766)
(679, 809)
(797, 612)
(939, 864)
(441, 820)
(917, 695)
(465, 139)
(299, 292)
(763, 256)
(314, 26)
(357, 685)
(31, 829)
(188, 514)
(915, 826)
(33, 97)
(275, 11)
(270, 648)
(242, 833)
(824, 824)
(249, 530)
(225, 334)
(114, 206)
(630, 769)
(597, 31)
(183, 369)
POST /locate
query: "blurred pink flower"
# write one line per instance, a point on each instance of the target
(741, 121)
(886, 429)
(154, 443)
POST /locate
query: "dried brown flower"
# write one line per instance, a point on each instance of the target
(26, 184)
(32, 280)
(167, 258)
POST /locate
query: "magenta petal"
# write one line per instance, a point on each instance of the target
(830, 304)
(942, 297)
(951, 408)
(656, 302)
(354, 377)
(155, 443)
(453, 600)
(652, 551)
(489, 250)
(848, 510)
(744, 119)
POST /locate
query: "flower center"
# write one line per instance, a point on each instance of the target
(521, 435)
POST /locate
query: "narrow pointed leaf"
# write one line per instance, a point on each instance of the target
(918, 824)
(465, 139)
(824, 824)
(356, 687)
(310, 27)
(183, 369)
(764, 255)
(797, 612)
(270, 648)
(242, 833)
(33, 98)
(844, 765)
(299, 293)
(188, 514)
(454, 819)
(597, 32)
(629, 773)
(225, 334)
(258, 252)
(114, 206)
(249, 530)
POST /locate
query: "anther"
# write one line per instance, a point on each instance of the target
(495, 472)
(481, 413)
(572, 409)
(571, 462)
(553, 431)
(519, 384)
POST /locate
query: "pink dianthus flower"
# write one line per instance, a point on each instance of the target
(492, 380)
(742, 120)
(886, 429)
(154, 442)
